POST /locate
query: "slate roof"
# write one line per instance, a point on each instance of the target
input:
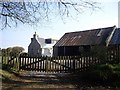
(116, 37)
(87, 37)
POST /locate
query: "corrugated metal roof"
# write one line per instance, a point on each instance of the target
(87, 37)
(116, 37)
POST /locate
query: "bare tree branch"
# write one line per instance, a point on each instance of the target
(33, 12)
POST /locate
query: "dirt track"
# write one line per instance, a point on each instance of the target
(37, 80)
(34, 80)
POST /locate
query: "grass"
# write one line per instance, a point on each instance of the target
(6, 76)
(116, 67)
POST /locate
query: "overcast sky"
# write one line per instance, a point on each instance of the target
(20, 35)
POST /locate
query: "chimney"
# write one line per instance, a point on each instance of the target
(34, 36)
(31, 39)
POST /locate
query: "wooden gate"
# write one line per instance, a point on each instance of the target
(54, 64)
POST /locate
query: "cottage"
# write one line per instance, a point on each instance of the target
(40, 46)
(74, 43)
(34, 49)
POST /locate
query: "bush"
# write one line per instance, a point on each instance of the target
(8, 68)
(103, 73)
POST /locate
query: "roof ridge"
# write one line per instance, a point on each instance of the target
(90, 30)
(87, 37)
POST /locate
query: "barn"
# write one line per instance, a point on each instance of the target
(74, 43)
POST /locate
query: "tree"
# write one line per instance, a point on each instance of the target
(8, 51)
(33, 12)
(16, 51)
(4, 53)
(0, 51)
(12, 51)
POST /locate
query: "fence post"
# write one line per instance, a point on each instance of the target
(74, 65)
(46, 64)
(2, 60)
(19, 63)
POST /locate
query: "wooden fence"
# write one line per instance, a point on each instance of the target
(11, 61)
(56, 64)
(64, 63)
